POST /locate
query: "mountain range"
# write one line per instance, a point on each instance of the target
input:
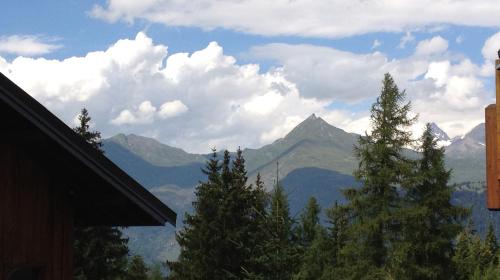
(315, 159)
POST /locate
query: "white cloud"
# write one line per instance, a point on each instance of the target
(264, 104)
(323, 72)
(406, 39)
(172, 108)
(446, 89)
(376, 44)
(204, 99)
(144, 114)
(490, 54)
(321, 18)
(27, 45)
(491, 47)
(438, 71)
(193, 101)
(435, 45)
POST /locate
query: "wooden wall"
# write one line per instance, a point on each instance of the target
(36, 217)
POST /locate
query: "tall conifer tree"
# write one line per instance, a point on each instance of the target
(430, 221)
(309, 220)
(99, 252)
(316, 258)
(222, 235)
(199, 257)
(137, 269)
(280, 247)
(338, 220)
(382, 169)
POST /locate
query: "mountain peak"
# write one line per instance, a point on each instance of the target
(153, 151)
(315, 128)
(439, 133)
(312, 122)
(476, 134)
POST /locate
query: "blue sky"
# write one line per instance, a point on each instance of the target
(270, 66)
(70, 24)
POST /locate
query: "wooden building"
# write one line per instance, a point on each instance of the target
(51, 180)
(492, 133)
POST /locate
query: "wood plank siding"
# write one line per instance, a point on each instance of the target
(36, 218)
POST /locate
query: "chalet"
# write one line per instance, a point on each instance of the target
(51, 180)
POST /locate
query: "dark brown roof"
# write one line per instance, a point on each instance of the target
(103, 194)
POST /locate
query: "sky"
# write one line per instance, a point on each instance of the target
(200, 74)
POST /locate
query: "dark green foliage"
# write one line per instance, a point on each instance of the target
(475, 258)
(338, 220)
(429, 221)
(382, 169)
(309, 220)
(83, 129)
(491, 245)
(155, 273)
(136, 269)
(221, 237)
(279, 254)
(464, 255)
(99, 252)
(316, 258)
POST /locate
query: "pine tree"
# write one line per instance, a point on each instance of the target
(338, 220)
(137, 269)
(221, 236)
(201, 234)
(278, 257)
(466, 250)
(258, 268)
(430, 221)
(382, 169)
(316, 258)
(309, 220)
(155, 273)
(311, 246)
(83, 129)
(491, 245)
(99, 252)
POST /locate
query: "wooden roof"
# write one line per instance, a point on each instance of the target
(102, 193)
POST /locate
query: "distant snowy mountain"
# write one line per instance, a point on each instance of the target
(466, 156)
(441, 136)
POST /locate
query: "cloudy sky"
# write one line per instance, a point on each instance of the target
(197, 74)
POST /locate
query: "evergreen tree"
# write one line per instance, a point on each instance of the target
(258, 268)
(137, 269)
(382, 169)
(155, 273)
(309, 220)
(201, 234)
(311, 247)
(463, 262)
(338, 220)
(83, 129)
(278, 254)
(491, 245)
(221, 236)
(316, 258)
(475, 258)
(99, 252)
(430, 221)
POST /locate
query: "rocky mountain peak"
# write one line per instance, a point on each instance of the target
(439, 133)
(315, 128)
